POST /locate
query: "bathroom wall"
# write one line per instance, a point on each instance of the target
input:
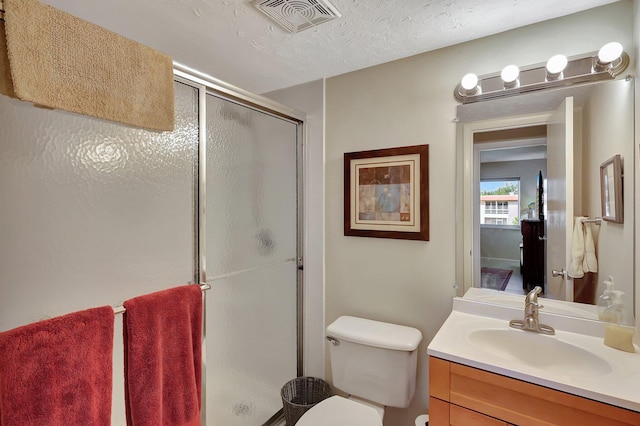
(310, 99)
(602, 139)
(409, 102)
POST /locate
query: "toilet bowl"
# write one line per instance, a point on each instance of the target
(339, 411)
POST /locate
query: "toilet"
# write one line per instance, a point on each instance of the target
(375, 363)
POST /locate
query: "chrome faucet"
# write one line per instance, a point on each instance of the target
(530, 322)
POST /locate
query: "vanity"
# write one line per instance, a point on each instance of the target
(483, 372)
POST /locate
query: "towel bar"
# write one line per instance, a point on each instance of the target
(121, 309)
(596, 220)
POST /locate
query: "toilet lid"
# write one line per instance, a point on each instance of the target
(339, 411)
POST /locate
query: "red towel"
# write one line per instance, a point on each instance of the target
(58, 371)
(163, 355)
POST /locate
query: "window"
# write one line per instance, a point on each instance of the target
(500, 201)
(495, 221)
(496, 207)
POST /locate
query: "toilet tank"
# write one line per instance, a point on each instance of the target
(374, 360)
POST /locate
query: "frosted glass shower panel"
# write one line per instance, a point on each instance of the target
(251, 327)
(93, 212)
(251, 250)
(251, 188)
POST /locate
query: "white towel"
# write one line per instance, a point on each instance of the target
(576, 267)
(590, 263)
(583, 250)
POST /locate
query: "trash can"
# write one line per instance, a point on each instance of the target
(300, 394)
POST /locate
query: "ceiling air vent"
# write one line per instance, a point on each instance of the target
(297, 15)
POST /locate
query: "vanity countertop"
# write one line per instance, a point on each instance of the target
(587, 367)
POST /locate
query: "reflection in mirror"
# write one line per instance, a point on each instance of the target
(530, 196)
(611, 189)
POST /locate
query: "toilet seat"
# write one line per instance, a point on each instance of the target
(339, 411)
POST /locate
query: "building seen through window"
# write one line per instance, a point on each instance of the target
(499, 202)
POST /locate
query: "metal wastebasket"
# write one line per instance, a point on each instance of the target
(300, 394)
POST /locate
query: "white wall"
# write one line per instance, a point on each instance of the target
(408, 102)
(309, 98)
(607, 128)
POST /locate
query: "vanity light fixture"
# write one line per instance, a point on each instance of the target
(607, 54)
(555, 65)
(559, 71)
(509, 76)
(469, 84)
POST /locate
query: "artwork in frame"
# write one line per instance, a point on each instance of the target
(386, 193)
(611, 190)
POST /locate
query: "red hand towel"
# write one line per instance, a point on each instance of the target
(163, 355)
(58, 371)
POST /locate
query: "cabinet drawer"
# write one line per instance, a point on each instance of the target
(459, 416)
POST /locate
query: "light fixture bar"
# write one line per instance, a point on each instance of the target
(579, 70)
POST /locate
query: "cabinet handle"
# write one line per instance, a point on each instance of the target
(561, 273)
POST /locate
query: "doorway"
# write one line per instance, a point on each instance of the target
(509, 164)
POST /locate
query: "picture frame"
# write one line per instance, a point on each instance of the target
(386, 193)
(611, 190)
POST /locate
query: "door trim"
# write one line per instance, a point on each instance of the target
(467, 237)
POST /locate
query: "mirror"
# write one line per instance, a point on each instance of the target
(559, 192)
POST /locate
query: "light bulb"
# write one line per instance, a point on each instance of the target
(510, 73)
(556, 64)
(609, 52)
(469, 82)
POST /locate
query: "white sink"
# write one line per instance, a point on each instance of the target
(574, 362)
(539, 351)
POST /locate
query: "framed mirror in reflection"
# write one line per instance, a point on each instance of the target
(611, 190)
(546, 148)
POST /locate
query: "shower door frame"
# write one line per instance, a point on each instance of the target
(207, 84)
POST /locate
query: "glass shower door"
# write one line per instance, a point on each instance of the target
(251, 261)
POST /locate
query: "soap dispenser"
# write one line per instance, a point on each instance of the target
(616, 334)
(606, 298)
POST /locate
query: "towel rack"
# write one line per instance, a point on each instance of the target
(121, 309)
(597, 220)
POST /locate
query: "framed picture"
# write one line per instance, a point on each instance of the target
(611, 189)
(386, 193)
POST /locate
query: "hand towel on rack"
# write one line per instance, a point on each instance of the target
(590, 262)
(58, 371)
(163, 355)
(576, 269)
(583, 251)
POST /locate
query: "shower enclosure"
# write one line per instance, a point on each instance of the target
(249, 252)
(94, 213)
(251, 261)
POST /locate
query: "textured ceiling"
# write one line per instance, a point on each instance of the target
(234, 42)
